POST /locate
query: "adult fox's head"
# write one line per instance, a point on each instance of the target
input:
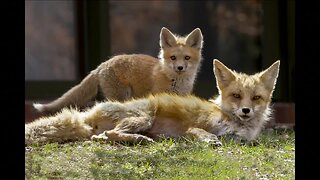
(245, 97)
(180, 55)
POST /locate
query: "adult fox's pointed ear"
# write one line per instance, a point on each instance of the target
(167, 39)
(223, 74)
(195, 39)
(270, 75)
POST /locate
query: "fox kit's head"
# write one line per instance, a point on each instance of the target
(181, 54)
(245, 97)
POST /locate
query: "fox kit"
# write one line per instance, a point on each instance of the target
(242, 108)
(137, 75)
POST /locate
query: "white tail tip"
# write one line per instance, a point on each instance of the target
(39, 107)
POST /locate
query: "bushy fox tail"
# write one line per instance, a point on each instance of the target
(78, 95)
(67, 125)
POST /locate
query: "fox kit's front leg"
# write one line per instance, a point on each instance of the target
(127, 130)
(203, 136)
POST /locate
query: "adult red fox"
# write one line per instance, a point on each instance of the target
(242, 108)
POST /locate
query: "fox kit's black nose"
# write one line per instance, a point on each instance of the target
(180, 68)
(245, 110)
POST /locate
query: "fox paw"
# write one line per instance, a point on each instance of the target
(214, 142)
(144, 139)
(100, 137)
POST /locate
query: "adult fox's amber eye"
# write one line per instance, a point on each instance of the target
(236, 95)
(187, 57)
(173, 58)
(256, 97)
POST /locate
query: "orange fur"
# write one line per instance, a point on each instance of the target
(169, 114)
(246, 98)
(137, 75)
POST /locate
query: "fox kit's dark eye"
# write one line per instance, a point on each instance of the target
(256, 97)
(173, 58)
(236, 95)
(187, 57)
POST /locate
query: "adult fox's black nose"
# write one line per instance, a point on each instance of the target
(245, 110)
(180, 68)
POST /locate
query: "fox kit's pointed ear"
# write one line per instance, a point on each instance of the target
(270, 75)
(195, 39)
(223, 74)
(167, 39)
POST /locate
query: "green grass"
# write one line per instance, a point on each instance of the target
(274, 158)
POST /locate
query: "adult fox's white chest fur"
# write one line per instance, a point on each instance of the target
(136, 75)
(242, 108)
